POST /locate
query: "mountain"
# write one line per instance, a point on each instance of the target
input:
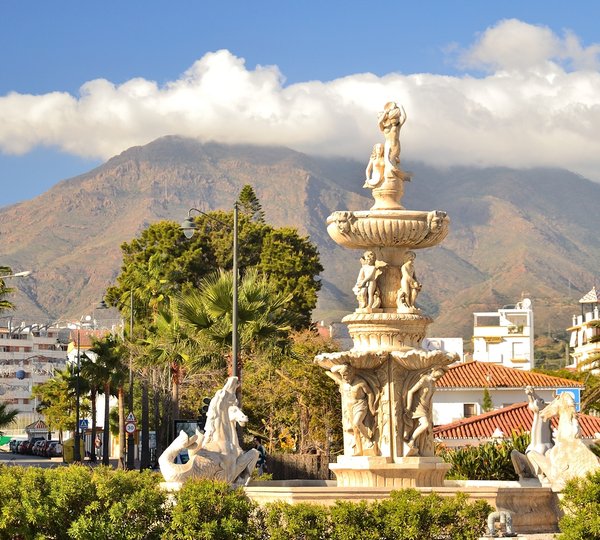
(513, 232)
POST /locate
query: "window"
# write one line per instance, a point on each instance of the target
(469, 409)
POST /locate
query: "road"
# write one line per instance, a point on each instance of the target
(7, 458)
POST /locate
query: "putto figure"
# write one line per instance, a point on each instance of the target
(409, 285)
(366, 290)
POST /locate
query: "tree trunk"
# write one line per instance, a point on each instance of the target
(145, 451)
(175, 373)
(122, 434)
(93, 394)
(106, 435)
(156, 397)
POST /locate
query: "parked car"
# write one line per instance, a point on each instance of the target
(54, 449)
(13, 445)
(22, 447)
(36, 447)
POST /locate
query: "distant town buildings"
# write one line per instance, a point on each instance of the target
(505, 336)
(29, 355)
(585, 333)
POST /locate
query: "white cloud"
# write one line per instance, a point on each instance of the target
(539, 105)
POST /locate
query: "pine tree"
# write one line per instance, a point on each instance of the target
(250, 205)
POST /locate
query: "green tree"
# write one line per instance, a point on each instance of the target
(110, 372)
(162, 262)
(487, 404)
(56, 401)
(5, 304)
(290, 401)
(7, 416)
(291, 263)
(250, 205)
(169, 345)
(263, 320)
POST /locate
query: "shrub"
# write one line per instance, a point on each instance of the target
(205, 510)
(488, 461)
(284, 521)
(41, 503)
(354, 521)
(408, 515)
(128, 505)
(581, 504)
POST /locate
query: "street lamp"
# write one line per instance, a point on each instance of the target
(188, 226)
(77, 449)
(17, 274)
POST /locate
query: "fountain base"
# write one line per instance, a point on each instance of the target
(405, 472)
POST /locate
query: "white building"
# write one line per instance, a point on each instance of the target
(450, 345)
(505, 337)
(29, 355)
(459, 393)
(585, 332)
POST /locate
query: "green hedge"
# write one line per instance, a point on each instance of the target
(581, 504)
(100, 504)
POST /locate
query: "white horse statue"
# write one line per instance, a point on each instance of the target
(569, 457)
(215, 454)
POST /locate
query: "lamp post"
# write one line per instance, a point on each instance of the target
(188, 226)
(130, 464)
(17, 274)
(77, 449)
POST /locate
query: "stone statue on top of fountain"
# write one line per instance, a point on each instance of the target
(383, 173)
(366, 290)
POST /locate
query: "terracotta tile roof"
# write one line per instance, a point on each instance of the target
(86, 337)
(483, 374)
(516, 418)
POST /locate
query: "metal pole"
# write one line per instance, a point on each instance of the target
(130, 465)
(77, 450)
(234, 318)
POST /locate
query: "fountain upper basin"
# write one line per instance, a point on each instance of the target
(368, 229)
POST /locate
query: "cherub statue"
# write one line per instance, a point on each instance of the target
(409, 285)
(366, 290)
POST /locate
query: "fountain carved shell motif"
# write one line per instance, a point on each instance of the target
(388, 228)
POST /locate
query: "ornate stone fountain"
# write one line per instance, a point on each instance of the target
(386, 380)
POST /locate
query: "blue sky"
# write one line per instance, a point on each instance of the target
(508, 83)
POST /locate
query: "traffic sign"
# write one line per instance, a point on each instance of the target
(130, 418)
(575, 394)
(130, 427)
(83, 424)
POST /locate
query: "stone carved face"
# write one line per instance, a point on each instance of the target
(369, 257)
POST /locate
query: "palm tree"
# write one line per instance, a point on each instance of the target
(169, 345)
(110, 370)
(263, 321)
(7, 416)
(5, 305)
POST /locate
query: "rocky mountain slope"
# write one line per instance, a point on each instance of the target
(513, 232)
